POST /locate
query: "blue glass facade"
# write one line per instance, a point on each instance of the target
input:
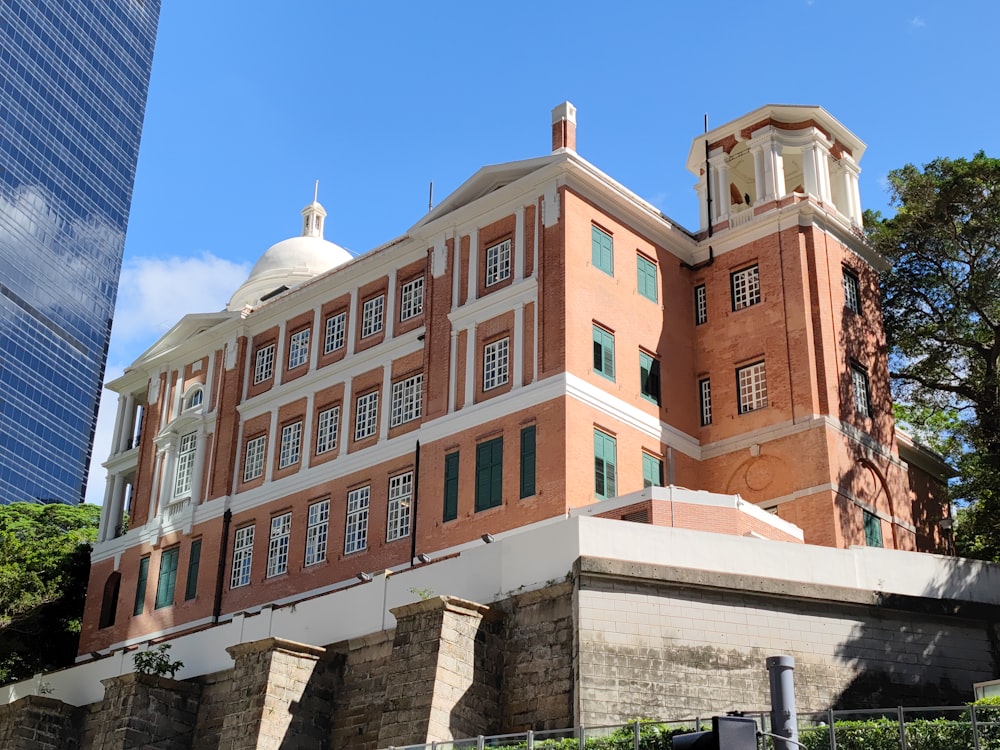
(72, 98)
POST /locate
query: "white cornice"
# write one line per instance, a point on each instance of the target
(521, 292)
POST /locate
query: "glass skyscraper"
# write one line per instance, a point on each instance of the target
(73, 82)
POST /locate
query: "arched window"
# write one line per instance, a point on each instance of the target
(194, 399)
(109, 604)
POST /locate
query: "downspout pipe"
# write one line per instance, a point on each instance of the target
(413, 505)
(227, 520)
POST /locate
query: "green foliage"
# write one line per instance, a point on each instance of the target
(156, 661)
(652, 736)
(44, 566)
(941, 304)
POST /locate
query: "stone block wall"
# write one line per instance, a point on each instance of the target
(37, 722)
(140, 709)
(360, 694)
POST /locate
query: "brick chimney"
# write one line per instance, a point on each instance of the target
(564, 127)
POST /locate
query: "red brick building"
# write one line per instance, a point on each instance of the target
(542, 340)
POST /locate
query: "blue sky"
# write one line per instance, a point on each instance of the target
(249, 105)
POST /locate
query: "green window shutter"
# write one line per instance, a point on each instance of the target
(140, 587)
(528, 461)
(489, 474)
(605, 465)
(602, 251)
(451, 486)
(167, 579)
(873, 530)
(649, 377)
(652, 471)
(604, 352)
(646, 283)
(194, 561)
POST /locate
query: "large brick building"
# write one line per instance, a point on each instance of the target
(542, 340)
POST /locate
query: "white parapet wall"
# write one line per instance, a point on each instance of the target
(532, 558)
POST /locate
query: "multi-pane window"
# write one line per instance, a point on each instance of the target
(291, 445)
(253, 462)
(277, 547)
(140, 586)
(528, 461)
(407, 398)
(327, 426)
(334, 332)
(451, 487)
(356, 533)
(185, 463)
(649, 377)
(371, 316)
(852, 291)
(194, 563)
(873, 529)
(489, 474)
(746, 287)
(652, 471)
(168, 578)
(495, 362)
(317, 532)
(298, 348)
(366, 422)
(604, 352)
(194, 399)
(646, 283)
(700, 305)
(602, 250)
(411, 299)
(752, 382)
(705, 400)
(242, 557)
(862, 391)
(605, 465)
(400, 496)
(498, 262)
(263, 367)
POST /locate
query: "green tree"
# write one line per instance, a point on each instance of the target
(44, 565)
(941, 302)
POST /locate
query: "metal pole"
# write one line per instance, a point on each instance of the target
(975, 727)
(833, 730)
(635, 735)
(783, 719)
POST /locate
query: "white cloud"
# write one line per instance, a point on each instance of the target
(917, 22)
(153, 294)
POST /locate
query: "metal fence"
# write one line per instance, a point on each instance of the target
(925, 728)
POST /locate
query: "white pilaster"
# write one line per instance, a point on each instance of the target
(119, 440)
(346, 411)
(518, 340)
(390, 306)
(352, 322)
(519, 243)
(452, 370)
(470, 365)
(386, 397)
(198, 468)
(473, 265)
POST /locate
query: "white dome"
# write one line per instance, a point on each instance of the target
(291, 262)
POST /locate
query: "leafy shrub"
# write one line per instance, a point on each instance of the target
(155, 661)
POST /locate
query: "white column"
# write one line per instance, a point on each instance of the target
(271, 452)
(456, 276)
(345, 417)
(473, 265)
(760, 182)
(168, 460)
(823, 170)
(849, 175)
(317, 332)
(701, 190)
(305, 452)
(519, 243)
(279, 355)
(390, 305)
(535, 247)
(121, 422)
(117, 509)
(534, 340)
(518, 341)
(198, 469)
(470, 365)
(452, 370)
(720, 185)
(209, 383)
(386, 401)
(810, 170)
(352, 323)
(104, 532)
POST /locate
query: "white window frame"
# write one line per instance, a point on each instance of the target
(366, 415)
(407, 400)
(298, 349)
(400, 503)
(496, 361)
(411, 299)
(335, 332)
(372, 316)
(852, 291)
(356, 527)
(277, 547)
(263, 367)
(187, 448)
(327, 427)
(242, 557)
(291, 445)
(253, 461)
(705, 400)
(752, 383)
(700, 305)
(498, 262)
(861, 386)
(194, 399)
(745, 287)
(317, 532)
